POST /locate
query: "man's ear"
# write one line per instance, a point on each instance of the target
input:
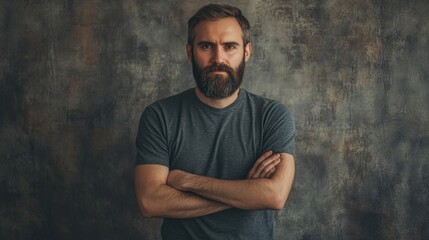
(247, 51)
(189, 52)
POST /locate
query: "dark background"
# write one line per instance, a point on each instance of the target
(76, 75)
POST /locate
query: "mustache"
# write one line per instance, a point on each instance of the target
(219, 67)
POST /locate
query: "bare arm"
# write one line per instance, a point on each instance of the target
(156, 199)
(250, 194)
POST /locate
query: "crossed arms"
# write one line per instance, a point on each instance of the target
(178, 194)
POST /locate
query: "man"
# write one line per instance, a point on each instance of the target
(215, 161)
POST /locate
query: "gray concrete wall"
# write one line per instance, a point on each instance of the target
(76, 75)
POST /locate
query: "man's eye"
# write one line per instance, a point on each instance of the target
(206, 46)
(229, 47)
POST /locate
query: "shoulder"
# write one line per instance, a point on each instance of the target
(169, 105)
(166, 108)
(171, 102)
(267, 106)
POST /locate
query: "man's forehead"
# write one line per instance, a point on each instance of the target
(226, 30)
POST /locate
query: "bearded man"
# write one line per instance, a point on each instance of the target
(215, 161)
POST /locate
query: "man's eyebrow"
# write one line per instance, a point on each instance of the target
(231, 43)
(205, 42)
(223, 43)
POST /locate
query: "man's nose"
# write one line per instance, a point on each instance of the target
(219, 55)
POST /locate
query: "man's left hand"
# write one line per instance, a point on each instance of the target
(265, 166)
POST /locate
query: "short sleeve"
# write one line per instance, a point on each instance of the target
(279, 130)
(151, 139)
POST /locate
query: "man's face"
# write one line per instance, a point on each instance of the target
(218, 57)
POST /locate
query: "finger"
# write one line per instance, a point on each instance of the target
(266, 174)
(267, 170)
(263, 157)
(265, 163)
(266, 167)
(258, 161)
(270, 173)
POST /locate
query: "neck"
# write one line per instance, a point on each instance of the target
(217, 103)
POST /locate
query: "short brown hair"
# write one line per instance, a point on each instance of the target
(216, 12)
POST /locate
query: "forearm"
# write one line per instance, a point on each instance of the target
(249, 194)
(156, 199)
(173, 203)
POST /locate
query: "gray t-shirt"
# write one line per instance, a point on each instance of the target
(181, 132)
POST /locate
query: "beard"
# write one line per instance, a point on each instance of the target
(218, 86)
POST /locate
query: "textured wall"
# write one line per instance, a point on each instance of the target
(76, 75)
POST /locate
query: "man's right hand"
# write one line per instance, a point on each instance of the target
(265, 166)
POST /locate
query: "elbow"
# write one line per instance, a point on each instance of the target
(147, 209)
(277, 200)
(271, 198)
(147, 213)
(278, 203)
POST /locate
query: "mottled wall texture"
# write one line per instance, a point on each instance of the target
(76, 75)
